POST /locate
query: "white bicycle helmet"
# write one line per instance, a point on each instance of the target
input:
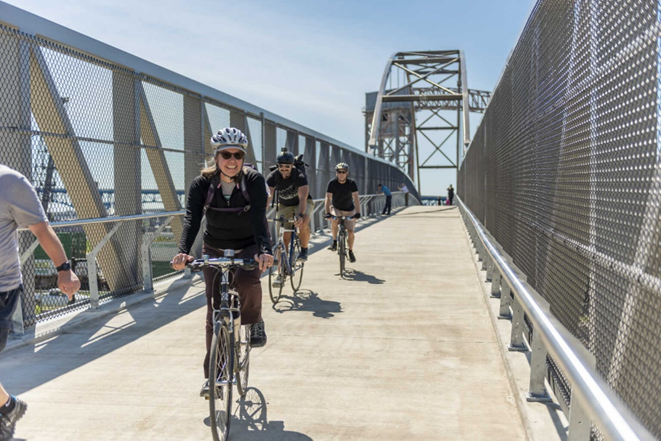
(342, 166)
(229, 137)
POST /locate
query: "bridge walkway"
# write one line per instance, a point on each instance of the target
(403, 350)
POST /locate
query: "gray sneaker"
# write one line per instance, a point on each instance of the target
(8, 420)
(204, 392)
(279, 281)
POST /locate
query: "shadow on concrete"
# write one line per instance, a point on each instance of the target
(74, 348)
(250, 422)
(359, 276)
(306, 300)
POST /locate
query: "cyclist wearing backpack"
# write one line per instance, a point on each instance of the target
(293, 197)
(233, 197)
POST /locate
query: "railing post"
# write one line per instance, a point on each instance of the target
(579, 421)
(495, 284)
(516, 340)
(92, 279)
(147, 240)
(92, 269)
(537, 391)
(504, 313)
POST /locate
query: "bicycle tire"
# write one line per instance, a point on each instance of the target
(275, 271)
(296, 276)
(341, 250)
(243, 360)
(221, 369)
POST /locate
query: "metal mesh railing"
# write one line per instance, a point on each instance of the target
(565, 172)
(99, 139)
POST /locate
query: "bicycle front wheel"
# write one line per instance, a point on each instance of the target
(277, 275)
(221, 368)
(341, 250)
(243, 360)
(296, 276)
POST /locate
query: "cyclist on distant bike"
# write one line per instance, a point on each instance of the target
(293, 198)
(342, 200)
(233, 198)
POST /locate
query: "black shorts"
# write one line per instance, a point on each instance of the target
(8, 302)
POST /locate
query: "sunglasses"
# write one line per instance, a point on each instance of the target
(237, 155)
(341, 172)
(285, 166)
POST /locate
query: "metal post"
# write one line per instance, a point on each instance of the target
(147, 272)
(92, 269)
(495, 285)
(516, 341)
(537, 391)
(504, 313)
(579, 421)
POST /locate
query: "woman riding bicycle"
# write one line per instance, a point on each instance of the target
(233, 198)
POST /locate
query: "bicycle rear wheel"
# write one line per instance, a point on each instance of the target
(277, 272)
(221, 368)
(296, 276)
(341, 250)
(243, 360)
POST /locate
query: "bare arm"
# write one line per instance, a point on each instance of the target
(327, 202)
(67, 281)
(268, 202)
(303, 192)
(356, 201)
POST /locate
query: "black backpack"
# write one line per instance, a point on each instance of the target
(298, 163)
(215, 183)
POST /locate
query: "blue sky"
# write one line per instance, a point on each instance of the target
(308, 61)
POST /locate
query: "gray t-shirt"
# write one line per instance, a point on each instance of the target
(19, 208)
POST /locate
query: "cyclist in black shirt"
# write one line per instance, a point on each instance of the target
(342, 200)
(233, 198)
(293, 197)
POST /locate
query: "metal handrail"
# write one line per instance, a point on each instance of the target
(100, 220)
(613, 417)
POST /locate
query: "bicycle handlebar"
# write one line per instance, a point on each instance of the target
(221, 262)
(281, 219)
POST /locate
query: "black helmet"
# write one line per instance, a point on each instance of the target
(285, 157)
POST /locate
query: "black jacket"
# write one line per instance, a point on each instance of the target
(228, 230)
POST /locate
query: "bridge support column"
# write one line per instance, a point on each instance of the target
(147, 272)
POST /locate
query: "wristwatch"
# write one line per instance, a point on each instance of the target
(301, 215)
(66, 266)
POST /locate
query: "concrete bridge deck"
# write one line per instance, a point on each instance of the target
(404, 350)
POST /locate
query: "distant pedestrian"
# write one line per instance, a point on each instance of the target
(386, 191)
(450, 194)
(406, 194)
(20, 207)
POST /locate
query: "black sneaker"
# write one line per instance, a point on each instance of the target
(352, 258)
(257, 334)
(333, 247)
(303, 256)
(8, 420)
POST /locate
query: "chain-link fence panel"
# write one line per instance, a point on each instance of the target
(565, 172)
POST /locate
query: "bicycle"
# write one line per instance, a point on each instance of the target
(289, 265)
(229, 357)
(342, 241)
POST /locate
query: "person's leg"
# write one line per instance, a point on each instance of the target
(249, 287)
(212, 286)
(389, 203)
(4, 396)
(351, 237)
(334, 228)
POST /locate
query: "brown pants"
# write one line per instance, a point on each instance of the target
(246, 283)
